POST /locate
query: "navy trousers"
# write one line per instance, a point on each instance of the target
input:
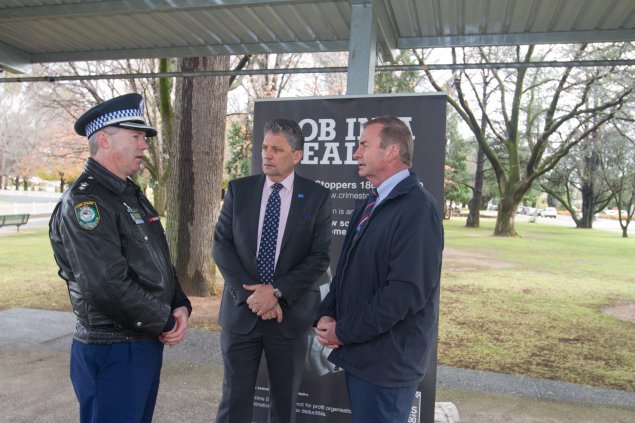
(376, 404)
(116, 382)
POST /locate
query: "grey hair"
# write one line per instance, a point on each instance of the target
(93, 144)
(291, 131)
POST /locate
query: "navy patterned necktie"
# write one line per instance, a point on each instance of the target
(370, 203)
(269, 237)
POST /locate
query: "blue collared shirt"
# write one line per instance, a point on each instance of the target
(387, 186)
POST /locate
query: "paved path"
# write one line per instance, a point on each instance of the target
(34, 347)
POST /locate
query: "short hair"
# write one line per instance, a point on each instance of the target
(394, 131)
(93, 144)
(290, 129)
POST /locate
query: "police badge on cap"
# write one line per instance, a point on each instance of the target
(125, 111)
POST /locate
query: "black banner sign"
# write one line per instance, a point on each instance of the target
(332, 126)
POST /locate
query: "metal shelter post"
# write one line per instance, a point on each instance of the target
(362, 50)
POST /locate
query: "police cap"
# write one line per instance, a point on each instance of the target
(125, 111)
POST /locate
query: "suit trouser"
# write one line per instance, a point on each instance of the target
(116, 382)
(241, 357)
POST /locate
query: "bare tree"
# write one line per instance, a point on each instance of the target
(578, 176)
(271, 85)
(475, 204)
(618, 171)
(320, 84)
(23, 129)
(533, 105)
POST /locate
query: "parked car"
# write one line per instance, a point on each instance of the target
(549, 212)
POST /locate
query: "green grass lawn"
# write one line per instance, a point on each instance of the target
(530, 306)
(28, 273)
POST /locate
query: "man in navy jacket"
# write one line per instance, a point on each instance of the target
(380, 314)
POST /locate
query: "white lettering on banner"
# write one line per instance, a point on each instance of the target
(333, 152)
(325, 132)
(353, 124)
(329, 153)
(350, 123)
(307, 156)
(407, 120)
(338, 185)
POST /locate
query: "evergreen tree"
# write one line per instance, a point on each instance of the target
(239, 142)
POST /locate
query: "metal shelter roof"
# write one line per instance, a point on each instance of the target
(37, 31)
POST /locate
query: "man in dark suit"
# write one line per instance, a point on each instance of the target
(271, 245)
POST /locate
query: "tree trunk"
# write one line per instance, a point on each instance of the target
(586, 220)
(591, 165)
(623, 222)
(474, 216)
(474, 205)
(197, 166)
(505, 220)
(167, 134)
(159, 191)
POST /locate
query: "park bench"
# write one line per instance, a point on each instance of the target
(14, 220)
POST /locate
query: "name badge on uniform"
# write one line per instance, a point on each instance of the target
(135, 214)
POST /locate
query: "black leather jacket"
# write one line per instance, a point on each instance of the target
(111, 250)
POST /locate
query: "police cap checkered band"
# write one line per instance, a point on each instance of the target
(125, 111)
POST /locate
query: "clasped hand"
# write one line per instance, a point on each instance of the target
(177, 333)
(263, 303)
(325, 332)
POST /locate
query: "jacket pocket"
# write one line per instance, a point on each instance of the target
(140, 235)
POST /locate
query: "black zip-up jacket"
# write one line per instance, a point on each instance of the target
(110, 246)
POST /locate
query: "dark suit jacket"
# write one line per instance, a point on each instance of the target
(304, 254)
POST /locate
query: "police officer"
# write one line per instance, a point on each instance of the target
(111, 249)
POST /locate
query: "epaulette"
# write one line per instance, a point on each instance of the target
(84, 184)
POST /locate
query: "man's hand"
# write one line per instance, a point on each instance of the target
(325, 332)
(274, 313)
(177, 333)
(262, 300)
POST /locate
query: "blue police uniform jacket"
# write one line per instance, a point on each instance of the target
(384, 295)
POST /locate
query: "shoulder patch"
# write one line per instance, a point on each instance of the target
(87, 214)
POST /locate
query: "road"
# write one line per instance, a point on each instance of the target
(45, 201)
(562, 220)
(27, 202)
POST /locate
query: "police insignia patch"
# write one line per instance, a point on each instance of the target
(87, 214)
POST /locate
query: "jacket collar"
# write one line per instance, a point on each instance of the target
(405, 186)
(106, 178)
